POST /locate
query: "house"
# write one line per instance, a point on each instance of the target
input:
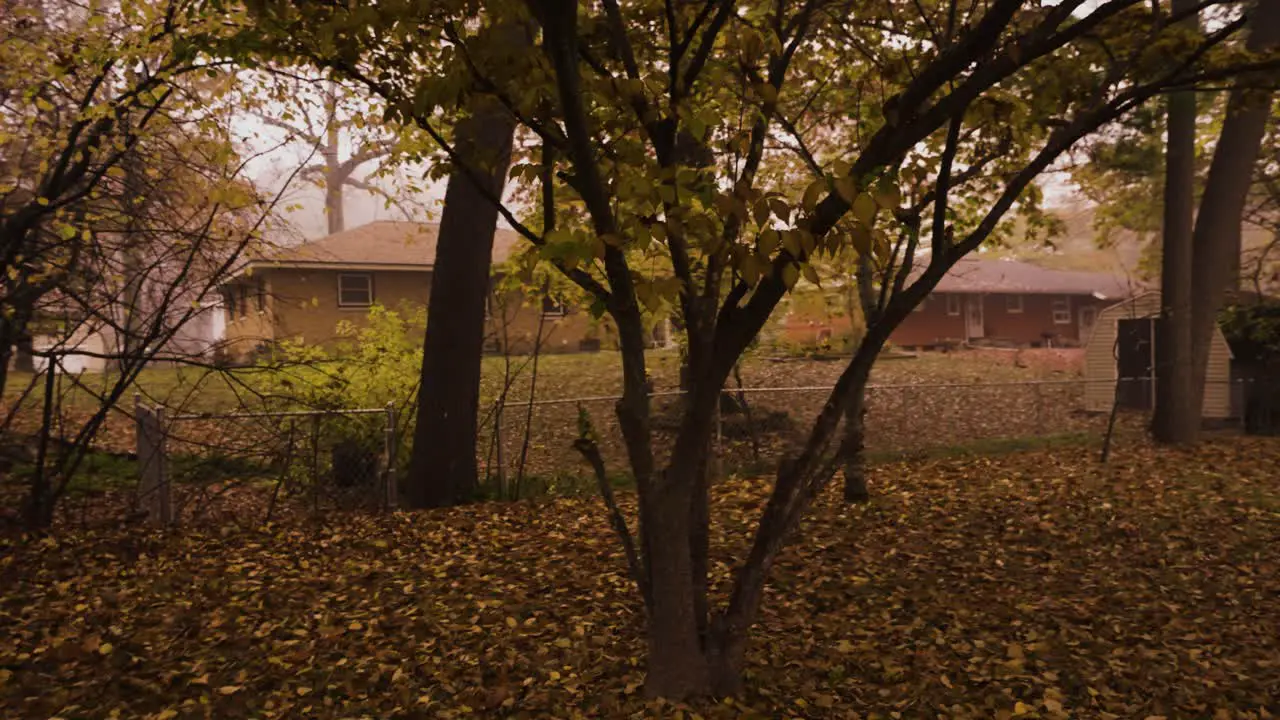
(303, 292)
(1010, 302)
(1122, 347)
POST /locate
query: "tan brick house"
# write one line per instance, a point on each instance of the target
(302, 293)
(1009, 302)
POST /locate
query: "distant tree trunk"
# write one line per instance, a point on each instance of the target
(333, 174)
(442, 468)
(1175, 420)
(1217, 238)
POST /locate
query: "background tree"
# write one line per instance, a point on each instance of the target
(1174, 419)
(344, 127)
(1217, 242)
(613, 89)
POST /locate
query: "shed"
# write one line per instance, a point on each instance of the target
(1122, 344)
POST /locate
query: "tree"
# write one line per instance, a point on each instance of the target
(1175, 419)
(442, 470)
(1218, 228)
(325, 115)
(612, 90)
(123, 203)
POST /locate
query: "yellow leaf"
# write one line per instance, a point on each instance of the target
(860, 235)
(302, 690)
(864, 208)
(105, 648)
(166, 714)
(1052, 705)
(790, 275)
(1021, 708)
(355, 625)
(813, 193)
(1014, 651)
(511, 622)
(844, 646)
(202, 680)
(563, 643)
(847, 188)
(946, 681)
(229, 689)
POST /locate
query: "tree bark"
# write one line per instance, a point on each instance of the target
(1175, 420)
(854, 446)
(1217, 238)
(442, 468)
(333, 175)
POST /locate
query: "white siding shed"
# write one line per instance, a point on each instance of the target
(1101, 363)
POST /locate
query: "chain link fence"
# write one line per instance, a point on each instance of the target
(191, 464)
(527, 446)
(315, 460)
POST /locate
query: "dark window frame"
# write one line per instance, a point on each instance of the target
(368, 278)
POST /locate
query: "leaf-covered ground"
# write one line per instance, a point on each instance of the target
(1027, 585)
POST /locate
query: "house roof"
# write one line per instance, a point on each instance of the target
(385, 243)
(980, 275)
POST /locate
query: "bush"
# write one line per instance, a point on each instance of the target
(374, 364)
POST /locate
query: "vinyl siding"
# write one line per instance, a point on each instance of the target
(1100, 361)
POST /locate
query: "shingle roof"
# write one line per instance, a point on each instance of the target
(385, 242)
(979, 275)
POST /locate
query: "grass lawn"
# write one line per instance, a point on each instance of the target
(1033, 584)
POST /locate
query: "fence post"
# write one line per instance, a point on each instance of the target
(153, 480)
(389, 442)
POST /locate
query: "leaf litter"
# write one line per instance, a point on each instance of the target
(1032, 585)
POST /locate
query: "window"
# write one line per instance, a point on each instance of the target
(230, 295)
(355, 290)
(1013, 304)
(244, 301)
(1062, 310)
(553, 308)
(953, 304)
(262, 295)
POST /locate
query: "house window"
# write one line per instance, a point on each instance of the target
(1013, 304)
(262, 295)
(1062, 310)
(230, 295)
(244, 301)
(355, 290)
(953, 304)
(553, 308)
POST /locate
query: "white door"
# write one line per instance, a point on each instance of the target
(1088, 315)
(973, 320)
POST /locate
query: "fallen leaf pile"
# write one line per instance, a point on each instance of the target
(1034, 585)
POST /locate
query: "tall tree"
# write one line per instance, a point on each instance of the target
(612, 90)
(442, 469)
(1175, 419)
(328, 117)
(1219, 222)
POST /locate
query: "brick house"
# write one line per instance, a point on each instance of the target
(304, 292)
(1009, 302)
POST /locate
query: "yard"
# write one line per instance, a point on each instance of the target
(1022, 585)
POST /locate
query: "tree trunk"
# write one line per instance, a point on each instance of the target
(1176, 420)
(442, 468)
(333, 176)
(1217, 238)
(853, 456)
